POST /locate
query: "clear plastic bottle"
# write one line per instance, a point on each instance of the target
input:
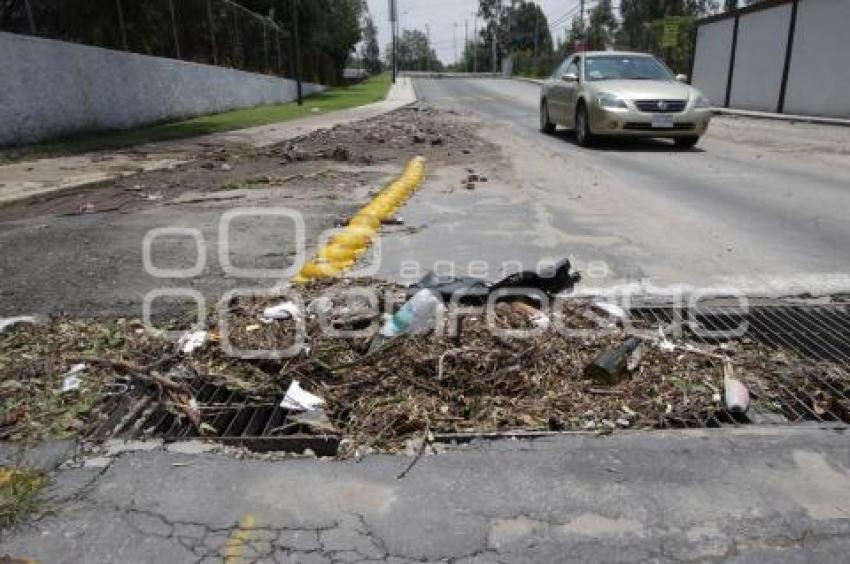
(419, 315)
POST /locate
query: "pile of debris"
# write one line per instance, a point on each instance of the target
(429, 131)
(582, 366)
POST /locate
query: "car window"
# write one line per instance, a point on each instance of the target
(625, 67)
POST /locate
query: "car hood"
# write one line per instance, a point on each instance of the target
(644, 89)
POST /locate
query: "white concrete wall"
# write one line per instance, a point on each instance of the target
(711, 60)
(819, 77)
(819, 72)
(52, 88)
(760, 59)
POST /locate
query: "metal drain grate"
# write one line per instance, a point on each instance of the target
(236, 419)
(817, 332)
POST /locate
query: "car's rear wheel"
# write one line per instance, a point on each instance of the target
(583, 135)
(546, 125)
(686, 142)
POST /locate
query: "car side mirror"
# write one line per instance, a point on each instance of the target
(570, 77)
(683, 78)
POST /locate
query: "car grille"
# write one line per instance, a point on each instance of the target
(661, 106)
(636, 126)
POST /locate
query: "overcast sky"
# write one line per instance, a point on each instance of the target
(443, 14)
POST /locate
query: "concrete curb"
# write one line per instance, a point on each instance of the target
(537, 81)
(28, 179)
(782, 117)
(426, 74)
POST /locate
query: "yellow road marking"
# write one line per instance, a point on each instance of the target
(238, 539)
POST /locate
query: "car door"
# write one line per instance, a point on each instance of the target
(556, 97)
(570, 92)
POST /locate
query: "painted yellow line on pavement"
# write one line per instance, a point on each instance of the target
(345, 247)
(238, 539)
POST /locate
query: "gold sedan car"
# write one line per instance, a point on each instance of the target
(622, 94)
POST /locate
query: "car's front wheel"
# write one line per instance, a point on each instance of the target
(546, 124)
(583, 135)
(686, 142)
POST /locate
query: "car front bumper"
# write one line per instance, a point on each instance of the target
(632, 123)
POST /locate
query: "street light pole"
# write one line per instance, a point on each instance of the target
(297, 41)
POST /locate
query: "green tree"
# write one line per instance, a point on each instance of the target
(470, 61)
(414, 52)
(241, 38)
(601, 26)
(493, 33)
(520, 29)
(531, 41)
(530, 30)
(370, 52)
(574, 35)
(642, 27)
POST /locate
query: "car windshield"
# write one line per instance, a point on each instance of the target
(625, 67)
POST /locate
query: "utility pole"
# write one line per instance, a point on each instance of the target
(495, 38)
(581, 19)
(509, 46)
(465, 42)
(393, 25)
(475, 46)
(536, 28)
(454, 37)
(428, 47)
(495, 62)
(297, 40)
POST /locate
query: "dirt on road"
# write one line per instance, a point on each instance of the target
(80, 251)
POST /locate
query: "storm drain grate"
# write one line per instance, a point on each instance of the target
(231, 417)
(816, 332)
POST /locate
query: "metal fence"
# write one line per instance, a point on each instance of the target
(217, 32)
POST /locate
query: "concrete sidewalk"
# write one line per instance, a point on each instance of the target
(34, 178)
(737, 495)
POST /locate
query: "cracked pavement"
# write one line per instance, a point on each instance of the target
(736, 495)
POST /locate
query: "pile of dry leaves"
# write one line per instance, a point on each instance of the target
(473, 380)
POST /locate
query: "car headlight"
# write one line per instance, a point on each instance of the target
(702, 103)
(611, 102)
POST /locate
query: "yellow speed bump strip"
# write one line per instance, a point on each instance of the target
(345, 247)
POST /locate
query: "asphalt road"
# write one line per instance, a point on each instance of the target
(736, 495)
(759, 206)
